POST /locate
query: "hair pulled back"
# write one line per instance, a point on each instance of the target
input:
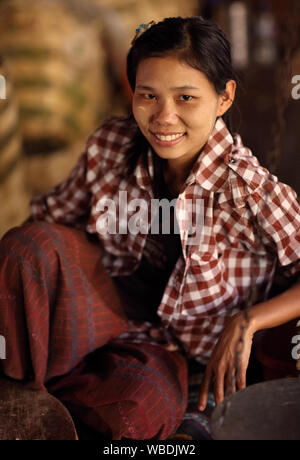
(197, 41)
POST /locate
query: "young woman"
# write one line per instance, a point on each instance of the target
(102, 303)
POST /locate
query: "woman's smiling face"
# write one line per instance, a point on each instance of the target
(175, 107)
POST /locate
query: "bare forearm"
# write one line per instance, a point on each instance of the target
(276, 311)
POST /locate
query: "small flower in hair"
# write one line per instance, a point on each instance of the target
(141, 29)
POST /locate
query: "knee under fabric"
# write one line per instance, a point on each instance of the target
(127, 390)
(57, 302)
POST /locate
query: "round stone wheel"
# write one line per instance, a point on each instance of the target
(27, 414)
(265, 411)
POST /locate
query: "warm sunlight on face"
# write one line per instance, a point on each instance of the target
(175, 107)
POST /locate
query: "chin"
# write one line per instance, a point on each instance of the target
(167, 155)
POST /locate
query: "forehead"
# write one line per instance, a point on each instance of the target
(169, 72)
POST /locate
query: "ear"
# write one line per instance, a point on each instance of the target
(226, 98)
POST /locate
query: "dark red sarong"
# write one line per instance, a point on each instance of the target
(59, 313)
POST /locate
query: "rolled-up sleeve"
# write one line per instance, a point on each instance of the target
(278, 215)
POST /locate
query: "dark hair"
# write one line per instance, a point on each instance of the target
(197, 41)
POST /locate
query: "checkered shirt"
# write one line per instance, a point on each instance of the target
(249, 225)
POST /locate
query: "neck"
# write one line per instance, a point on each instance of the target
(176, 173)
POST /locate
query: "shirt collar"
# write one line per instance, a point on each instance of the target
(211, 168)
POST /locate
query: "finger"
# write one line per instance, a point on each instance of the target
(205, 385)
(230, 381)
(171, 346)
(219, 387)
(241, 377)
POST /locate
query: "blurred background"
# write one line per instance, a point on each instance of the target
(64, 68)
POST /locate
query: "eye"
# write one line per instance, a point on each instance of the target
(149, 96)
(186, 97)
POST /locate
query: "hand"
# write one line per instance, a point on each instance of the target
(221, 367)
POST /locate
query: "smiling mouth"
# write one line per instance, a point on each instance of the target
(168, 137)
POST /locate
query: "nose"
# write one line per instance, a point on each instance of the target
(165, 113)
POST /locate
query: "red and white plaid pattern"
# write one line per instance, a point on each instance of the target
(250, 223)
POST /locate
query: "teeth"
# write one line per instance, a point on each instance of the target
(171, 137)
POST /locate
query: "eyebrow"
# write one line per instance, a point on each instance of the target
(176, 88)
